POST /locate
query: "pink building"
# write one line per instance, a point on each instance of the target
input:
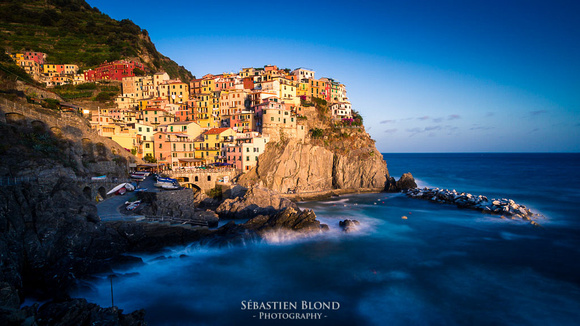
(245, 154)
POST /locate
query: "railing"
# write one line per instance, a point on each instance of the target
(176, 220)
(11, 181)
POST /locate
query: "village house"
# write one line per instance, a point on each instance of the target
(244, 153)
(171, 146)
(208, 146)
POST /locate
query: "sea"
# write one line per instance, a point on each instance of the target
(441, 265)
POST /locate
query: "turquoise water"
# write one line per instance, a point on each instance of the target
(440, 266)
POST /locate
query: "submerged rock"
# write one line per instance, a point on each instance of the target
(349, 225)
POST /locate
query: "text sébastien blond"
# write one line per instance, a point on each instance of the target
(290, 305)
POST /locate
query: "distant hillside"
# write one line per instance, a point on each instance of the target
(71, 31)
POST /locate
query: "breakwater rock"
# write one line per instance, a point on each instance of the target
(504, 207)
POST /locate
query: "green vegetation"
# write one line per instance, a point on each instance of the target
(104, 92)
(104, 96)
(149, 159)
(216, 192)
(321, 106)
(316, 133)
(73, 32)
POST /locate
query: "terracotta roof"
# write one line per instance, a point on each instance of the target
(215, 131)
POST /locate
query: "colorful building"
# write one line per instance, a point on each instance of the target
(244, 154)
(115, 70)
(208, 146)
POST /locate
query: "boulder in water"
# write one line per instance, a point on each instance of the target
(349, 225)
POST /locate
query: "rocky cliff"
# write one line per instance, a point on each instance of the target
(302, 167)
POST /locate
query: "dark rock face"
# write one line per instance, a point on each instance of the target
(177, 203)
(404, 183)
(255, 201)
(80, 312)
(349, 225)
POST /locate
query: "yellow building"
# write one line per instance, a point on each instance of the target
(175, 92)
(208, 146)
(207, 110)
(303, 89)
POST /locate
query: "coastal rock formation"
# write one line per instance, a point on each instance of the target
(504, 207)
(289, 219)
(349, 225)
(295, 167)
(255, 201)
(404, 183)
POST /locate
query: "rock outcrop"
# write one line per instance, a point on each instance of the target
(406, 182)
(289, 219)
(349, 225)
(301, 168)
(255, 201)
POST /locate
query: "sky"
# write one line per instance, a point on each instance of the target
(427, 76)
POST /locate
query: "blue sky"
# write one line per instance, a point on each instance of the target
(427, 76)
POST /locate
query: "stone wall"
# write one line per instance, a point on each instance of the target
(202, 179)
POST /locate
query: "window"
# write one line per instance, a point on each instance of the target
(247, 158)
(272, 119)
(196, 178)
(174, 155)
(160, 146)
(147, 145)
(209, 178)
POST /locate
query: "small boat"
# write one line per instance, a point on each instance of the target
(116, 188)
(103, 177)
(138, 176)
(170, 187)
(129, 187)
(169, 180)
(132, 205)
(140, 189)
(124, 186)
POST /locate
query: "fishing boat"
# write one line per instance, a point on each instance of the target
(121, 188)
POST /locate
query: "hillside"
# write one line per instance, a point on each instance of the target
(73, 32)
